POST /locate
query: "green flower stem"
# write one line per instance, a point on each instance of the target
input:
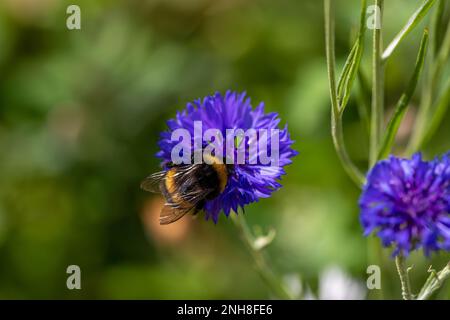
(338, 141)
(436, 22)
(352, 63)
(363, 96)
(434, 282)
(377, 112)
(441, 108)
(426, 110)
(404, 277)
(402, 105)
(375, 256)
(336, 116)
(329, 44)
(377, 89)
(260, 259)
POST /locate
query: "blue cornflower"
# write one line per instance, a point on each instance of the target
(247, 182)
(407, 203)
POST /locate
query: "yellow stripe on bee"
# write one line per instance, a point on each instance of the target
(170, 181)
(220, 168)
(172, 188)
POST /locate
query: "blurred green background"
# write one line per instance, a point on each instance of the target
(80, 114)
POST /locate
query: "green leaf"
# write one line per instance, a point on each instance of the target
(441, 108)
(436, 22)
(403, 102)
(351, 66)
(364, 100)
(346, 70)
(443, 53)
(435, 69)
(351, 75)
(336, 118)
(412, 22)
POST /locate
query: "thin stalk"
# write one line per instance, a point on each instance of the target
(436, 23)
(434, 282)
(351, 66)
(441, 107)
(375, 257)
(403, 102)
(377, 109)
(404, 277)
(338, 141)
(363, 97)
(336, 118)
(435, 68)
(261, 262)
(329, 48)
(377, 88)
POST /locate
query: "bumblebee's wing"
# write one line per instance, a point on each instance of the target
(193, 197)
(171, 214)
(153, 181)
(192, 203)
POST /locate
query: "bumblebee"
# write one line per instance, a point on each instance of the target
(187, 187)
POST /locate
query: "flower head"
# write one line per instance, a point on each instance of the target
(407, 203)
(249, 181)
